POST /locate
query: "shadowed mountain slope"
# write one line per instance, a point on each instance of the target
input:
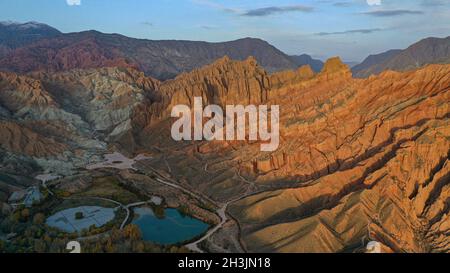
(304, 59)
(359, 159)
(158, 59)
(424, 52)
(14, 35)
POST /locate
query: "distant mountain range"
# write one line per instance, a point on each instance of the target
(374, 60)
(305, 59)
(32, 46)
(92, 49)
(426, 51)
(14, 35)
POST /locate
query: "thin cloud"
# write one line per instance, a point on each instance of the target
(353, 31)
(434, 3)
(73, 2)
(209, 27)
(258, 12)
(146, 23)
(216, 6)
(342, 4)
(392, 13)
(277, 9)
(374, 2)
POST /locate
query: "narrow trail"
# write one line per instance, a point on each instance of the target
(221, 211)
(125, 207)
(221, 207)
(160, 178)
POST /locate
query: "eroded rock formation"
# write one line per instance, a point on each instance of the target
(359, 159)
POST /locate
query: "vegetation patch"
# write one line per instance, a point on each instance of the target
(109, 187)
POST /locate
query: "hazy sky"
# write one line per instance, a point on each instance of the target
(351, 29)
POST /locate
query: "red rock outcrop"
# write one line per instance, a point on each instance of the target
(21, 140)
(363, 161)
(285, 77)
(224, 82)
(359, 160)
(17, 92)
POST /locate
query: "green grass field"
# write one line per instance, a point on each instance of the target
(109, 187)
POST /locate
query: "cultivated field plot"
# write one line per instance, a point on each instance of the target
(109, 187)
(67, 221)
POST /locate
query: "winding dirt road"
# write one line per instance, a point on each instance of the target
(221, 211)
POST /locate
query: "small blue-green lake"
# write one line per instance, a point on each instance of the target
(173, 228)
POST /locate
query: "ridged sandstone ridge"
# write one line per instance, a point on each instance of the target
(21, 140)
(69, 116)
(334, 68)
(18, 91)
(334, 65)
(359, 160)
(227, 81)
(223, 82)
(360, 166)
(285, 77)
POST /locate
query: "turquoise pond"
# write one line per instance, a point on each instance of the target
(173, 228)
